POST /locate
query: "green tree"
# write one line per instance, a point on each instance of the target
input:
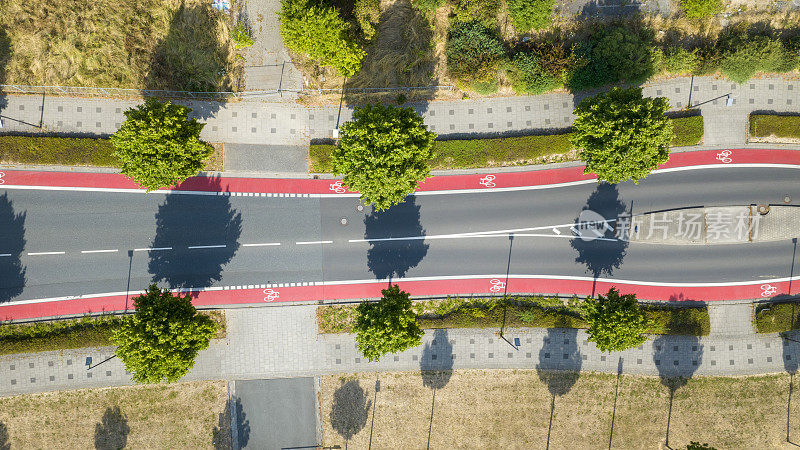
(697, 9)
(745, 51)
(383, 154)
(528, 76)
(530, 14)
(622, 135)
(319, 32)
(158, 145)
(386, 326)
(615, 321)
(474, 52)
(160, 341)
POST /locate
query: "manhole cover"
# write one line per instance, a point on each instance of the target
(787, 198)
(343, 221)
(360, 208)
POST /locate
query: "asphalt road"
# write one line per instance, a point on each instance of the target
(105, 237)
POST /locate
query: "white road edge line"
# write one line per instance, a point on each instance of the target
(207, 246)
(45, 253)
(313, 242)
(154, 249)
(440, 278)
(261, 245)
(100, 251)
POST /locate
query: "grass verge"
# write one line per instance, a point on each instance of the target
(62, 151)
(775, 126)
(688, 131)
(180, 415)
(777, 317)
(542, 312)
(508, 151)
(77, 333)
(512, 409)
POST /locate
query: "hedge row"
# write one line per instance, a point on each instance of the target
(57, 150)
(470, 153)
(60, 335)
(777, 317)
(766, 125)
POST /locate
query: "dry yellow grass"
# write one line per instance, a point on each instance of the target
(178, 416)
(154, 44)
(511, 409)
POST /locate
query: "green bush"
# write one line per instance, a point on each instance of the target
(319, 32)
(777, 317)
(614, 54)
(428, 6)
(687, 131)
(678, 60)
(764, 125)
(57, 150)
(474, 52)
(241, 35)
(483, 11)
(743, 54)
(678, 320)
(530, 14)
(528, 76)
(59, 335)
(697, 9)
(368, 13)
(484, 87)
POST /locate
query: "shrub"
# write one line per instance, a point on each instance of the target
(697, 9)
(473, 52)
(484, 87)
(322, 34)
(766, 125)
(614, 54)
(57, 150)
(678, 60)
(368, 13)
(427, 6)
(528, 76)
(622, 135)
(744, 54)
(241, 35)
(687, 131)
(530, 14)
(483, 11)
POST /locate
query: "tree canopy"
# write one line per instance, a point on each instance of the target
(319, 32)
(615, 321)
(383, 154)
(160, 341)
(158, 145)
(387, 326)
(622, 135)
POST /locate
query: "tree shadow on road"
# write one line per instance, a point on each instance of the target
(350, 409)
(186, 220)
(393, 258)
(668, 351)
(12, 243)
(604, 254)
(112, 432)
(559, 365)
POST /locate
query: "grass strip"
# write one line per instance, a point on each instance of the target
(57, 150)
(767, 125)
(537, 311)
(688, 131)
(777, 317)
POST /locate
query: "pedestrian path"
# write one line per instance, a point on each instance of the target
(289, 123)
(273, 342)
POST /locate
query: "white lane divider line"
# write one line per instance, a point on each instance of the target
(45, 253)
(100, 251)
(556, 231)
(313, 242)
(266, 244)
(192, 247)
(152, 249)
(5, 254)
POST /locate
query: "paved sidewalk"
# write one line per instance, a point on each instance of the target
(274, 342)
(289, 123)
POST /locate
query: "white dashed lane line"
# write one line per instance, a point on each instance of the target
(156, 249)
(267, 244)
(153, 249)
(45, 253)
(192, 247)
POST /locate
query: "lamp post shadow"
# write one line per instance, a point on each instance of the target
(559, 366)
(436, 368)
(674, 369)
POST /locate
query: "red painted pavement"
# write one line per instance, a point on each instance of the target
(479, 286)
(450, 182)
